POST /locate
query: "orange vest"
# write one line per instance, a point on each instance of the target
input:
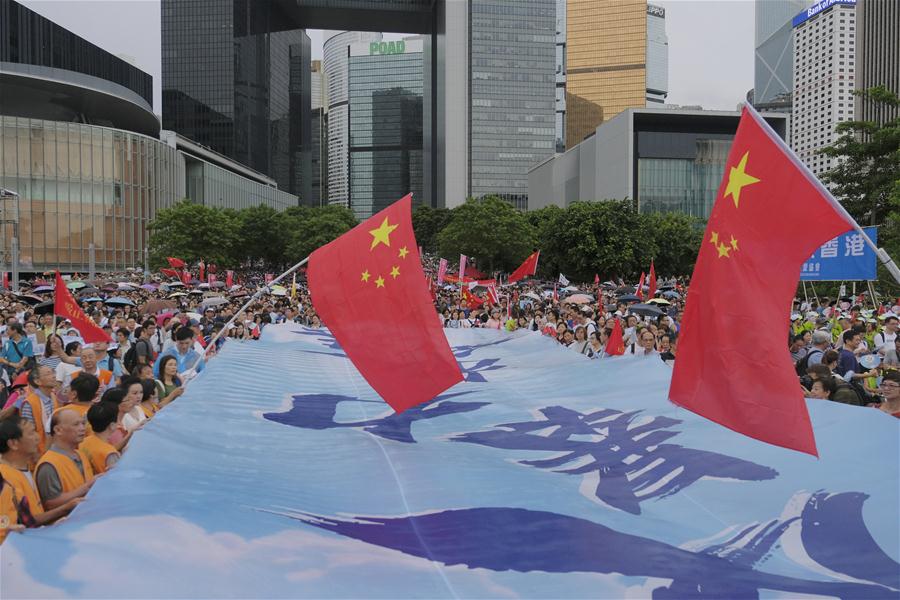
(69, 475)
(9, 514)
(97, 452)
(102, 374)
(37, 409)
(22, 488)
(149, 412)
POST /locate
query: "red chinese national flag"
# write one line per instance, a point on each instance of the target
(64, 305)
(169, 272)
(615, 345)
(229, 279)
(652, 281)
(369, 288)
(529, 267)
(176, 263)
(733, 366)
(640, 286)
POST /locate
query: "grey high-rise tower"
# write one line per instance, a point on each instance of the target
(226, 80)
(773, 68)
(877, 55)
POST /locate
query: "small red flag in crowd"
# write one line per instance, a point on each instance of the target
(202, 271)
(652, 292)
(596, 279)
(186, 277)
(746, 273)
(176, 263)
(472, 301)
(528, 267)
(442, 271)
(615, 345)
(64, 306)
(369, 288)
(640, 286)
(229, 279)
(169, 272)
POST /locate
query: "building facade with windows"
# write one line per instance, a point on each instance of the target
(385, 108)
(318, 135)
(512, 109)
(824, 78)
(773, 57)
(877, 56)
(667, 160)
(657, 56)
(83, 163)
(336, 62)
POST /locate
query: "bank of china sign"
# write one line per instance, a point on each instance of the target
(817, 8)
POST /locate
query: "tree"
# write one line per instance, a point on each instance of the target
(677, 237)
(311, 228)
(609, 238)
(427, 223)
(868, 164)
(263, 234)
(489, 229)
(192, 232)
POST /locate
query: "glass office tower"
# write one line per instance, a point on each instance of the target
(385, 92)
(512, 112)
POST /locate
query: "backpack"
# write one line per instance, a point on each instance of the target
(130, 358)
(803, 364)
(863, 397)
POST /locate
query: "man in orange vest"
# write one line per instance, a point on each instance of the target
(64, 472)
(39, 404)
(89, 365)
(18, 450)
(103, 419)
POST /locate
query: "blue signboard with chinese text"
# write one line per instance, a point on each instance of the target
(845, 258)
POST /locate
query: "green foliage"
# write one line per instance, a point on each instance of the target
(192, 231)
(263, 235)
(678, 238)
(427, 223)
(869, 162)
(489, 229)
(310, 228)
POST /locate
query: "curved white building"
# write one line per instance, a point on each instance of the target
(336, 61)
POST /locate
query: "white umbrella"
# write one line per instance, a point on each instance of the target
(215, 301)
(531, 295)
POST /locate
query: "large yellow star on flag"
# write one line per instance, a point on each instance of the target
(382, 234)
(738, 178)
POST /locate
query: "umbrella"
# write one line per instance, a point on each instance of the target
(200, 292)
(110, 288)
(119, 301)
(44, 289)
(278, 290)
(647, 310)
(175, 284)
(531, 295)
(76, 285)
(44, 308)
(215, 301)
(671, 294)
(203, 286)
(659, 301)
(570, 288)
(217, 284)
(193, 315)
(92, 299)
(234, 288)
(89, 289)
(579, 299)
(30, 299)
(239, 294)
(177, 295)
(126, 286)
(629, 298)
(149, 287)
(154, 306)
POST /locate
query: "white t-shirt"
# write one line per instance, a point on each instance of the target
(884, 341)
(134, 418)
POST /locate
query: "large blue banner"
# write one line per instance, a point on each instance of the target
(845, 258)
(280, 474)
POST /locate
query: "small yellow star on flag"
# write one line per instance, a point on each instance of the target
(738, 178)
(714, 238)
(365, 275)
(734, 243)
(379, 283)
(395, 271)
(723, 250)
(382, 234)
(403, 252)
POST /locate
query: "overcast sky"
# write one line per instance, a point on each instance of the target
(710, 42)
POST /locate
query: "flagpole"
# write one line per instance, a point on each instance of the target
(254, 298)
(881, 253)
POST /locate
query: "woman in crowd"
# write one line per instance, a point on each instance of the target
(134, 394)
(581, 344)
(55, 353)
(150, 398)
(169, 384)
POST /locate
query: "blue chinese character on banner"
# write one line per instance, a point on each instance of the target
(623, 455)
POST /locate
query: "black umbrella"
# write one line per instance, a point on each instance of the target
(30, 299)
(646, 310)
(43, 308)
(629, 298)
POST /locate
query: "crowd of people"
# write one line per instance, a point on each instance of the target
(69, 409)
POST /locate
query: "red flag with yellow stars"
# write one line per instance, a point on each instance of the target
(369, 288)
(733, 366)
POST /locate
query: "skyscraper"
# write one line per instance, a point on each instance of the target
(616, 58)
(512, 94)
(824, 77)
(878, 55)
(335, 57)
(318, 134)
(226, 81)
(561, 75)
(385, 93)
(773, 65)
(657, 56)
